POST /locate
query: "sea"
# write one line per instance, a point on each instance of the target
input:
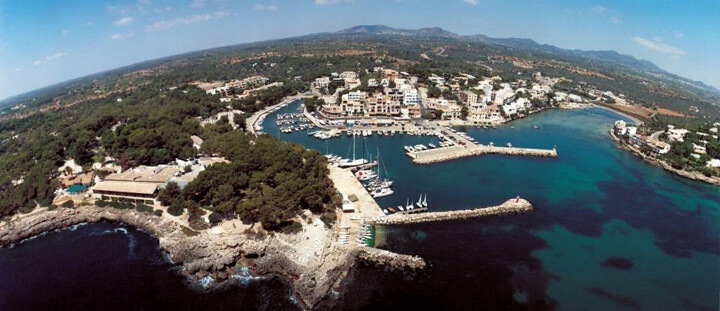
(608, 232)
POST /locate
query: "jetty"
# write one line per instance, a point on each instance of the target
(512, 206)
(457, 152)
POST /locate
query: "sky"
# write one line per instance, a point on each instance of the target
(43, 42)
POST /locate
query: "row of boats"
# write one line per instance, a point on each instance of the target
(420, 205)
(298, 128)
(365, 234)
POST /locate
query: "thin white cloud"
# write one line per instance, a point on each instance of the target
(123, 21)
(328, 2)
(163, 9)
(616, 20)
(679, 35)
(192, 19)
(139, 7)
(56, 55)
(201, 3)
(65, 32)
(598, 9)
(658, 46)
(122, 36)
(49, 58)
(472, 2)
(264, 7)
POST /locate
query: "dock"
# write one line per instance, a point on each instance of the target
(363, 209)
(512, 206)
(457, 152)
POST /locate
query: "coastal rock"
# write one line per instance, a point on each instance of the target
(202, 254)
(664, 165)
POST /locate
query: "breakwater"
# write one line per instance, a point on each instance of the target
(390, 260)
(511, 206)
(457, 152)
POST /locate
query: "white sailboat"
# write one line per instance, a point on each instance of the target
(419, 202)
(354, 162)
(408, 205)
(424, 202)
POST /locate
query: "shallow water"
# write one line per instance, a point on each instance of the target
(608, 232)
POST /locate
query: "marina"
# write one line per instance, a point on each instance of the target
(590, 203)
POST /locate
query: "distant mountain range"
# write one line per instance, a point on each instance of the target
(526, 44)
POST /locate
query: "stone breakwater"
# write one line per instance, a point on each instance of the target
(509, 207)
(202, 254)
(391, 260)
(452, 153)
(664, 165)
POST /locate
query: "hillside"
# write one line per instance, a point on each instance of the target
(421, 49)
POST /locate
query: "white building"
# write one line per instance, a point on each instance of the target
(411, 97)
(322, 82)
(348, 75)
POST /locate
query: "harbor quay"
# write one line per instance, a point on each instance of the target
(516, 205)
(455, 152)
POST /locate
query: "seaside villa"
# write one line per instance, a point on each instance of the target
(138, 185)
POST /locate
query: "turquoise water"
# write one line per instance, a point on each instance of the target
(609, 231)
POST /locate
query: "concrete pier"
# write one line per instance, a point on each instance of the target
(511, 206)
(456, 152)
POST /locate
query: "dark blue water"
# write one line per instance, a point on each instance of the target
(609, 232)
(110, 266)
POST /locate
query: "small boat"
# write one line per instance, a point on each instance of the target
(391, 209)
(401, 208)
(536, 127)
(385, 211)
(408, 205)
(432, 146)
(409, 149)
(424, 202)
(419, 202)
(382, 192)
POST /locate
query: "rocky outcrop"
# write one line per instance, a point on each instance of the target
(390, 260)
(201, 253)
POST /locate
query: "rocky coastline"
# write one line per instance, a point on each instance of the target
(664, 165)
(201, 254)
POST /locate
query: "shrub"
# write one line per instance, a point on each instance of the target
(158, 212)
(175, 208)
(27, 209)
(121, 205)
(293, 227)
(68, 204)
(215, 218)
(52, 207)
(328, 218)
(144, 208)
(101, 203)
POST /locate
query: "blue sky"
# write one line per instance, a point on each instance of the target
(45, 42)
